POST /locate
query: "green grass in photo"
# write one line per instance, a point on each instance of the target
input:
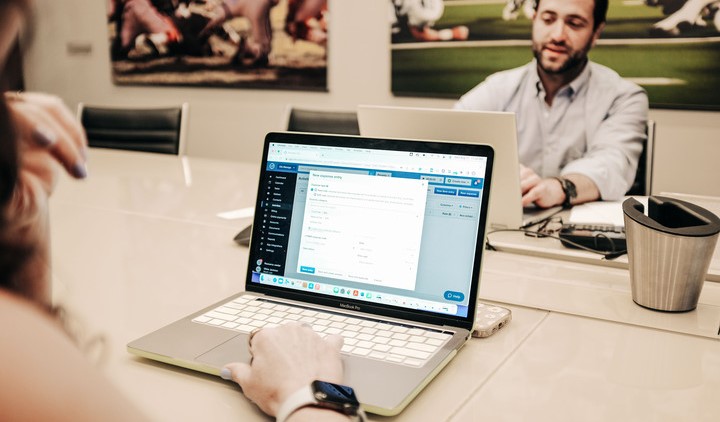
(685, 74)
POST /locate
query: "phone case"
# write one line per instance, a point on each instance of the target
(489, 319)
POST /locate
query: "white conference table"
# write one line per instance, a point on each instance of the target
(139, 245)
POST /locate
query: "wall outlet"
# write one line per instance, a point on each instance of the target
(79, 48)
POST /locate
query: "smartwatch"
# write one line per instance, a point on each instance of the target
(569, 189)
(325, 395)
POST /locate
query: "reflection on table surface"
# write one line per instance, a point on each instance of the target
(165, 186)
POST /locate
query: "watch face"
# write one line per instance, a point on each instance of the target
(335, 395)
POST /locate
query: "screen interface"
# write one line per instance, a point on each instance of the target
(384, 226)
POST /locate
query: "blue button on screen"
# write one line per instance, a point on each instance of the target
(469, 193)
(445, 191)
(308, 270)
(454, 296)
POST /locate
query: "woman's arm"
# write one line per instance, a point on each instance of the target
(45, 377)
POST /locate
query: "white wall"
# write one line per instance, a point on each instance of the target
(687, 152)
(232, 123)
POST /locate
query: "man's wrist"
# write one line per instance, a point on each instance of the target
(563, 195)
(569, 191)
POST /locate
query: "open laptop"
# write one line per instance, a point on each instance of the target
(377, 240)
(496, 129)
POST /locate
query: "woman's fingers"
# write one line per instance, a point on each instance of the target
(43, 121)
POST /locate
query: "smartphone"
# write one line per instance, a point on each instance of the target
(489, 319)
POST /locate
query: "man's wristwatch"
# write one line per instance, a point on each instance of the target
(569, 189)
(324, 395)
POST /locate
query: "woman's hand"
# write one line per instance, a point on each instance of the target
(286, 359)
(48, 134)
(48, 138)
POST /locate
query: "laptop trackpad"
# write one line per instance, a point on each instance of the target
(233, 350)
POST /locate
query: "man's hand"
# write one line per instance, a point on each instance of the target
(544, 193)
(217, 12)
(528, 179)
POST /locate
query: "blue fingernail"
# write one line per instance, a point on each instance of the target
(225, 374)
(79, 170)
(44, 136)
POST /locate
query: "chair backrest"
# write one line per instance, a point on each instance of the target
(161, 130)
(323, 121)
(642, 185)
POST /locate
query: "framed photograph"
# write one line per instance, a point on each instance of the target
(268, 44)
(669, 47)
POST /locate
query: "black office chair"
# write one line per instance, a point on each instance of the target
(161, 130)
(323, 121)
(642, 185)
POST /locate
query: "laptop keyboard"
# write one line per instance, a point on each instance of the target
(397, 343)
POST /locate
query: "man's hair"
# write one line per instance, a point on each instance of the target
(600, 8)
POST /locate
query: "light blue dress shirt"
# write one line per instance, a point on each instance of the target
(595, 126)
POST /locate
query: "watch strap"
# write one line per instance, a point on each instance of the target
(297, 400)
(304, 397)
(569, 190)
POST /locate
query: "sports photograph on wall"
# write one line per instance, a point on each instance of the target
(669, 47)
(265, 44)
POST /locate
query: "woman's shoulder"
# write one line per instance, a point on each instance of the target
(18, 314)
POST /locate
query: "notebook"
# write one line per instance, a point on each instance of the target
(378, 240)
(496, 129)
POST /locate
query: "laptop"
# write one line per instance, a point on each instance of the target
(378, 240)
(492, 128)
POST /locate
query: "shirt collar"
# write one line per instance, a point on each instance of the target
(571, 89)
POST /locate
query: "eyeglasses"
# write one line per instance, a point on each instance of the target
(549, 227)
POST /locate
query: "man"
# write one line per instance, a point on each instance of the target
(690, 14)
(255, 50)
(155, 28)
(580, 125)
(512, 9)
(419, 17)
(146, 26)
(307, 20)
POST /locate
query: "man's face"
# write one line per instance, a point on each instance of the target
(563, 34)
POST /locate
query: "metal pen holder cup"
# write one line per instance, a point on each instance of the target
(669, 251)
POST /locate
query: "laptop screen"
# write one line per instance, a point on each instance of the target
(497, 129)
(371, 222)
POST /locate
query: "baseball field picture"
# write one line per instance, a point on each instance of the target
(267, 44)
(669, 47)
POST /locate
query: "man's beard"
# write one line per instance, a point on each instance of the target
(574, 61)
